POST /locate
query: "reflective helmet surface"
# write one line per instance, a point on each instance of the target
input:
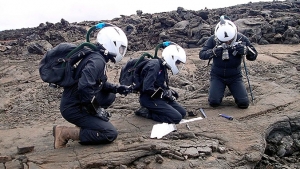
(174, 55)
(226, 31)
(113, 39)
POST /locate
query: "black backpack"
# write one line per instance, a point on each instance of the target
(57, 67)
(58, 64)
(131, 71)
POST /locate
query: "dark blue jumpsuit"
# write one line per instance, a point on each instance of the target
(91, 72)
(154, 75)
(227, 72)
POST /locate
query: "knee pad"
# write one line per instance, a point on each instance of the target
(214, 103)
(243, 106)
(111, 136)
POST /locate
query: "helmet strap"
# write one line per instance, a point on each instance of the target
(218, 42)
(111, 58)
(108, 58)
(166, 64)
(105, 54)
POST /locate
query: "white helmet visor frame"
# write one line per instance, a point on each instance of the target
(175, 57)
(114, 40)
(226, 32)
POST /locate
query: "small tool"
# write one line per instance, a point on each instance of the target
(187, 125)
(202, 111)
(225, 116)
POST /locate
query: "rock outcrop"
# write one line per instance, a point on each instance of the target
(263, 22)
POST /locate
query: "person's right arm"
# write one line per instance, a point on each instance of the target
(209, 50)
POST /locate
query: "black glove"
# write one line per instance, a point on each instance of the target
(241, 49)
(100, 112)
(122, 89)
(103, 114)
(174, 93)
(167, 95)
(217, 51)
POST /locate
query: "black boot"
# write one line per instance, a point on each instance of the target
(143, 112)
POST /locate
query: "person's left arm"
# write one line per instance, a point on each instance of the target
(150, 72)
(246, 48)
(88, 83)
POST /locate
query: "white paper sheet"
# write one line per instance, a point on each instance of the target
(160, 130)
(189, 120)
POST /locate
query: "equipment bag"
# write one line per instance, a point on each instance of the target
(58, 64)
(130, 73)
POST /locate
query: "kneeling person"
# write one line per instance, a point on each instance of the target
(76, 105)
(158, 101)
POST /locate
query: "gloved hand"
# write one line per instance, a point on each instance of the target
(124, 90)
(103, 114)
(168, 95)
(100, 112)
(241, 49)
(174, 93)
(217, 51)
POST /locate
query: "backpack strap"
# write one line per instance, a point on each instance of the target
(167, 77)
(164, 67)
(83, 61)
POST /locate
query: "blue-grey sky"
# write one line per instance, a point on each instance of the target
(16, 14)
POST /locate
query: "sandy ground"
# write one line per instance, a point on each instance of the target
(29, 108)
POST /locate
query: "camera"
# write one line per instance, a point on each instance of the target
(225, 55)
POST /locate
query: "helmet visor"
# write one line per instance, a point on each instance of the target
(179, 65)
(122, 50)
(178, 62)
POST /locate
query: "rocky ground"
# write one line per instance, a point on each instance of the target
(29, 109)
(266, 135)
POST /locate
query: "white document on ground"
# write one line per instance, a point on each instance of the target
(160, 130)
(189, 120)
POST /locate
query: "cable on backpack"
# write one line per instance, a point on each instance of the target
(98, 26)
(162, 45)
(90, 45)
(142, 58)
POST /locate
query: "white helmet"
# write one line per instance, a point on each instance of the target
(173, 55)
(113, 39)
(226, 31)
